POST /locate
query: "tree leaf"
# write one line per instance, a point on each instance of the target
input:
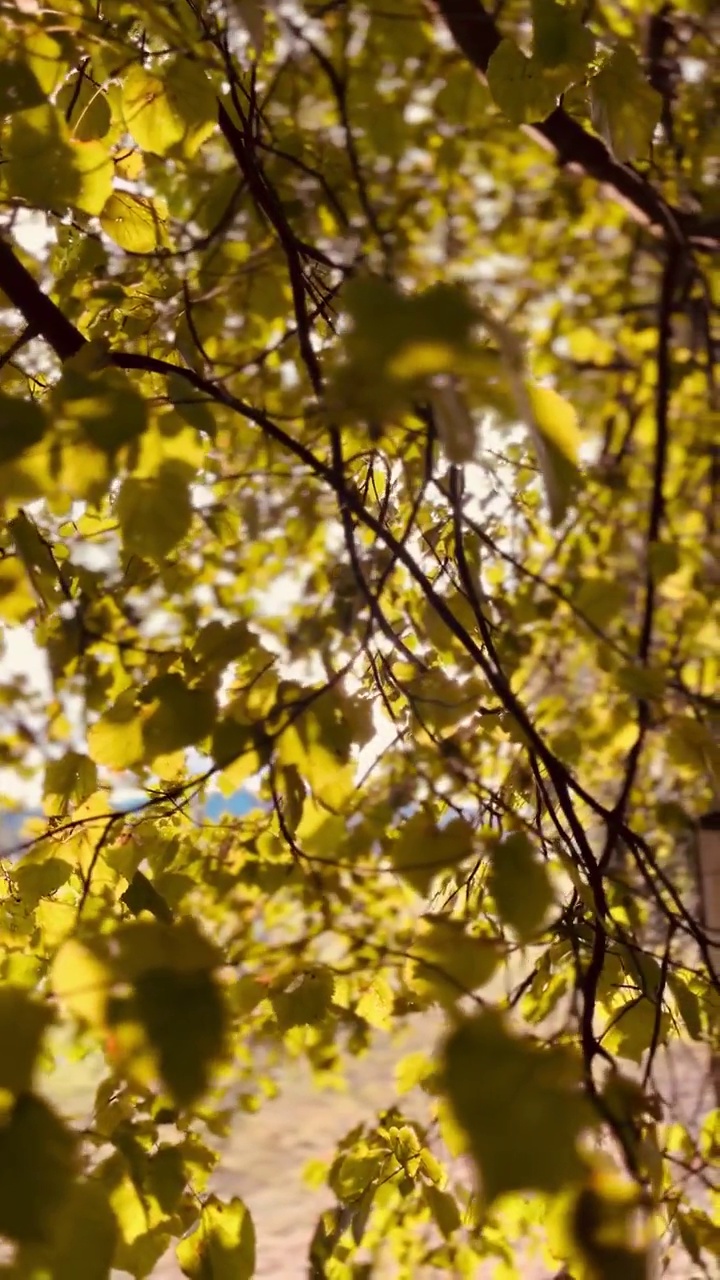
(37, 1166)
(25, 425)
(625, 108)
(520, 1105)
(87, 1235)
(141, 895)
(155, 512)
(177, 716)
(183, 1016)
(82, 981)
(421, 849)
(49, 169)
(519, 85)
(102, 404)
(70, 779)
(222, 1244)
(446, 962)
(520, 884)
(23, 1023)
(135, 223)
(559, 37)
(116, 739)
(162, 110)
(557, 443)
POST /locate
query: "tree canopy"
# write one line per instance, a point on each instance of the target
(359, 434)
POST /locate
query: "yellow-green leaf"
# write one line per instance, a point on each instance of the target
(520, 884)
(446, 962)
(23, 1022)
(82, 981)
(155, 512)
(520, 1105)
(422, 848)
(222, 1245)
(136, 223)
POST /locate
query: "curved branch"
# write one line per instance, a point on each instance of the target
(477, 37)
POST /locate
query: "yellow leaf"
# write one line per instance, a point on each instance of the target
(557, 421)
(134, 222)
(17, 599)
(116, 739)
(81, 981)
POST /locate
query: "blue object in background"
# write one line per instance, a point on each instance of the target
(237, 804)
(217, 806)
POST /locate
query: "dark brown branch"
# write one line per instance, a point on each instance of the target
(477, 36)
(41, 314)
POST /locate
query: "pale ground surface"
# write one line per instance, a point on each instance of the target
(264, 1159)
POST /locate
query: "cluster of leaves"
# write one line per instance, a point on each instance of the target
(359, 450)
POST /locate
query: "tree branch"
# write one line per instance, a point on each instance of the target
(477, 36)
(40, 312)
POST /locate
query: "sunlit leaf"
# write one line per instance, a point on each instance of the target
(136, 223)
(82, 981)
(520, 1105)
(155, 512)
(447, 962)
(625, 107)
(520, 884)
(421, 849)
(222, 1244)
(519, 85)
(177, 105)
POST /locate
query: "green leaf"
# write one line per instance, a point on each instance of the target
(398, 343)
(184, 1018)
(37, 1166)
(36, 880)
(116, 739)
(82, 981)
(85, 107)
(520, 884)
(519, 85)
(17, 598)
(193, 407)
(178, 716)
(155, 512)
(23, 1023)
(102, 405)
(319, 741)
(174, 1024)
(306, 1001)
(68, 780)
(600, 599)
(136, 223)
(688, 1003)
(145, 945)
(141, 895)
(422, 849)
(559, 37)
(520, 1105)
(455, 424)
(444, 1209)
(625, 108)
(222, 1245)
(163, 110)
(87, 1235)
(446, 962)
(24, 425)
(50, 170)
(19, 88)
(557, 440)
